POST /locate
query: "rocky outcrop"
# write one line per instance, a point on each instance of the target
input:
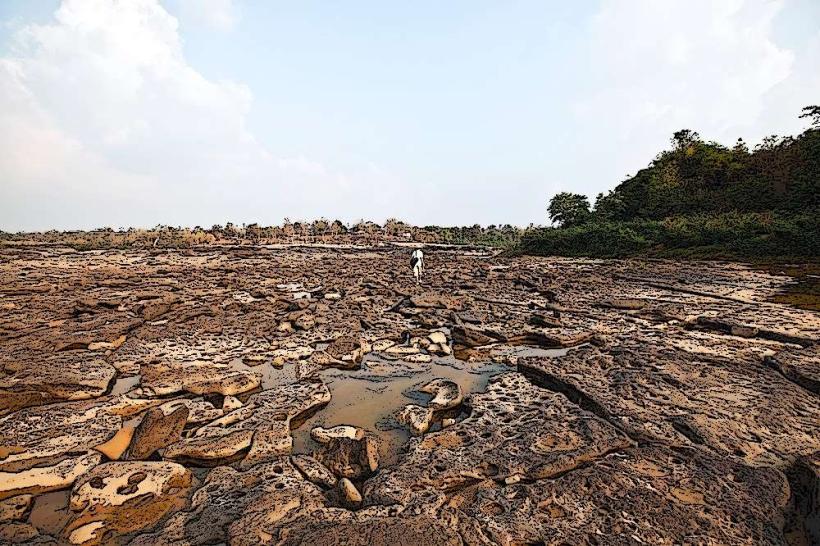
(262, 426)
(657, 402)
(197, 377)
(73, 375)
(515, 429)
(652, 495)
(679, 397)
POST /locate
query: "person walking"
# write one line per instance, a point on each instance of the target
(417, 264)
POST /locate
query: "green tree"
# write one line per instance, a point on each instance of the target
(569, 209)
(813, 113)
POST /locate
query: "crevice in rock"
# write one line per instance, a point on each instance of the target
(794, 377)
(686, 429)
(743, 331)
(582, 464)
(548, 381)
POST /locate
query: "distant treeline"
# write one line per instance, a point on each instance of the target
(700, 199)
(317, 231)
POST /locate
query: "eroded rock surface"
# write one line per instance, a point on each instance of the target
(168, 397)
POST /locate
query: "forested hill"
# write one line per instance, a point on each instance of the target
(701, 199)
(706, 177)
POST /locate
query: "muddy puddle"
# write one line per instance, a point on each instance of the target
(371, 396)
(50, 512)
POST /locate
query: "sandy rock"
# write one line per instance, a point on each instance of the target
(324, 435)
(211, 450)
(231, 403)
(417, 418)
(123, 497)
(401, 350)
(802, 366)
(383, 344)
(437, 301)
(349, 494)
(42, 479)
(290, 354)
(199, 411)
(156, 431)
(21, 533)
(322, 359)
(305, 321)
(418, 359)
(116, 447)
(197, 377)
(350, 458)
(439, 338)
(446, 393)
(15, 508)
(314, 471)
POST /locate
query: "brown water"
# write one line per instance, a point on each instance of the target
(371, 396)
(368, 398)
(50, 512)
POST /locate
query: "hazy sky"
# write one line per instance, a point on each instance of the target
(195, 112)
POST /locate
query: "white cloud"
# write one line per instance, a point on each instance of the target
(103, 122)
(714, 67)
(218, 14)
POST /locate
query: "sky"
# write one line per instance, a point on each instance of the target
(118, 113)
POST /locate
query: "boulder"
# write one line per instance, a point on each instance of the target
(346, 349)
(350, 458)
(324, 435)
(446, 393)
(350, 496)
(156, 431)
(417, 418)
(124, 497)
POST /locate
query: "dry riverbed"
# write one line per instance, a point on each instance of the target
(316, 395)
